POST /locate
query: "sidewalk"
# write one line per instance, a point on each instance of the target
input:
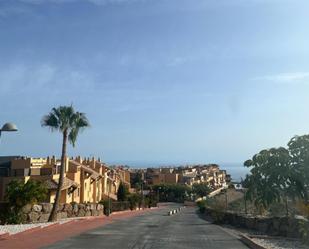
(37, 238)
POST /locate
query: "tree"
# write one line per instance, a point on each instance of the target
(274, 177)
(134, 199)
(299, 152)
(201, 189)
(270, 177)
(122, 192)
(137, 180)
(65, 120)
(18, 194)
(171, 192)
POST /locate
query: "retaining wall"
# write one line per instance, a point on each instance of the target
(275, 226)
(41, 212)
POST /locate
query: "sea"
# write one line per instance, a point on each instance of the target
(237, 170)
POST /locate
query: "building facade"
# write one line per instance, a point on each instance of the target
(85, 180)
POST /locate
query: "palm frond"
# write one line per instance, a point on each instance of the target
(50, 120)
(78, 122)
(73, 136)
(65, 119)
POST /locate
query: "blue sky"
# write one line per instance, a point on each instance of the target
(161, 81)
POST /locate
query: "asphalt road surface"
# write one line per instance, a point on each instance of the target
(155, 230)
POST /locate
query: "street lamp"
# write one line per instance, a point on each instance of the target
(109, 190)
(9, 127)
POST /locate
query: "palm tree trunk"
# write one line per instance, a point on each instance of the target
(53, 214)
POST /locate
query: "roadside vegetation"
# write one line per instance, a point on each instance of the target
(277, 186)
(280, 176)
(18, 195)
(278, 183)
(172, 192)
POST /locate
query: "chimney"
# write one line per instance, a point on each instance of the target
(79, 159)
(92, 163)
(53, 160)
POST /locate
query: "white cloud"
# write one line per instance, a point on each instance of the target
(42, 78)
(285, 77)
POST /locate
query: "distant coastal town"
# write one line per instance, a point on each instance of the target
(91, 180)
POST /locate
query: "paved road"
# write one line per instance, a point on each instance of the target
(155, 230)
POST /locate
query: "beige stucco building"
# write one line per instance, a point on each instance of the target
(85, 180)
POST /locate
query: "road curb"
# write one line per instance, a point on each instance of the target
(243, 238)
(79, 220)
(250, 243)
(4, 235)
(31, 230)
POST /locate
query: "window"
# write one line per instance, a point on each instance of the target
(20, 172)
(46, 171)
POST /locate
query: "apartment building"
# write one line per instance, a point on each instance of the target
(85, 180)
(167, 178)
(188, 175)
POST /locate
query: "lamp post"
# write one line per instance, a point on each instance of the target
(109, 203)
(142, 192)
(8, 127)
(108, 192)
(158, 194)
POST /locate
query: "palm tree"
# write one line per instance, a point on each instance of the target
(65, 120)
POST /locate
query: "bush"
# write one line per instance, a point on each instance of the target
(217, 216)
(202, 206)
(201, 189)
(217, 210)
(134, 200)
(122, 192)
(304, 231)
(105, 204)
(19, 194)
(120, 206)
(153, 201)
(171, 192)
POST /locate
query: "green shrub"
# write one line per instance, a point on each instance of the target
(171, 192)
(18, 194)
(134, 200)
(202, 206)
(105, 204)
(217, 216)
(122, 192)
(304, 231)
(201, 189)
